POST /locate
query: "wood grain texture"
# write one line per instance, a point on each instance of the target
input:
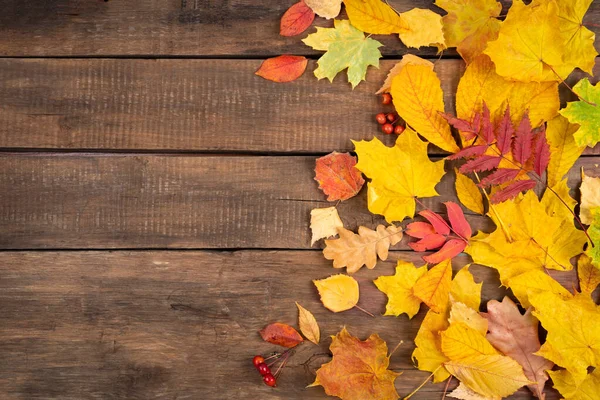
(190, 105)
(155, 201)
(183, 325)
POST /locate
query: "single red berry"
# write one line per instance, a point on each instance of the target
(386, 98)
(391, 117)
(263, 369)
(380, 118)
(258, 360)
(398, 129)
(388, 129)
(269, 380)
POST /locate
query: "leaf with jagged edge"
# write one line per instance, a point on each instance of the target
(585, 113)
(324, 223)
(399, 289)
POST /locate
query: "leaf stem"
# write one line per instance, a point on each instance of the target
(396, 348)
(446, 388)
(569, 87)
(365, 311)
(502, 226)
(423, 384)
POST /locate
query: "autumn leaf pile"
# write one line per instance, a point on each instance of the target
(508, 147)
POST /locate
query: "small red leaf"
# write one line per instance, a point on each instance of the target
(451, 249)
(338, 177)
(505, 133)
(461, 124)
(282, 68)
(499, 176)
(457, 220)
(438, 222)
(468, 152)
(296, 19)
(523, 138)
(542, 153)
(488, 128)
(281, 334)
(512, 190)
(429, 242)
(419, 229)
(483, 163)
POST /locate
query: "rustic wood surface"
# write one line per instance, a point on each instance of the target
(155, 198)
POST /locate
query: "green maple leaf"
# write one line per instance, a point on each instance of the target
(584, 114)
(594, 232)
(346, 47)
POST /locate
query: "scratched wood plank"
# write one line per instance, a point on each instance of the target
(155, 201)
(188, 105)
(183, 325)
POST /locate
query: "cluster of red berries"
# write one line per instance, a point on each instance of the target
(387, 121)
(270, 379)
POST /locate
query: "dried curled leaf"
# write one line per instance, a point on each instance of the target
(338, 292)
(399, 289)
(358, 369)
(338, 177)
(355, 250)
(281, 334)
(324, 223)
(308, 325)
(283, 68)
(516, 336)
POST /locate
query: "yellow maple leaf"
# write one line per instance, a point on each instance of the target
(406, 59)
(424, 29)
(355, 250)
(308, 324)
(470, 24)
(480, 83)
(325, 8)
(358, 369)
(589, 275)
(324, 222)
(399, 289)
(573, 389)
(374, 16)
(428, 354)
(433, 287)
(590, 198)
(533, 282)
(564, 151)
(529, 46)
(573, 340)
(419, 99)
(468, 193)
(398, 174)
(338, 292)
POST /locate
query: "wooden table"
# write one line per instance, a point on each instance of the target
(155, 198)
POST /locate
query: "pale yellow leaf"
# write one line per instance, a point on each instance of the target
(355, 250)
(464, 393)
(424, 29)
(406, 59)
(590, 198)
(308, 325)
(418, 99)
(468, 193)
(338, 292)
(433, 287)
(325, 8)
(324, 222)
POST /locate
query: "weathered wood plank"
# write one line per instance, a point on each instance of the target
(183, 325)
(188, 105)
(152, 201)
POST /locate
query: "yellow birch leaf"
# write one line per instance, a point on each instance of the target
(418, 99)
(399, 289)
(529, 46)
(461, 341)
(406, 59)
(564, 151)
(533, 282)
(463, 314)
(589, 275)
(324, 222)
(374, 16)
(433, 287)
(338, 292)
(573, 340)
(353, 251)
(571, 389)
(424, 29)
(590, 198)
(470, 24)
(325, 8)
(398, 174)
(468, 193)
(464, 393)
(308, 325)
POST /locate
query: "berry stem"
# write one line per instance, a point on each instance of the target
(283, 362)
(396, 348)
(422, 384)
(365, 311)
